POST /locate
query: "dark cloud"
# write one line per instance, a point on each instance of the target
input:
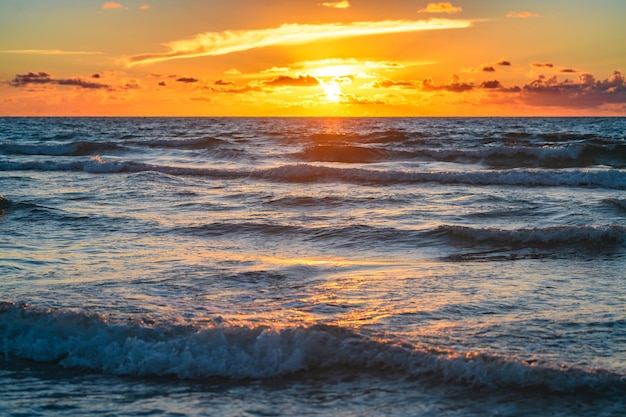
(569, 70)
(504, 63)
(187, 80)
(222, 82)
(77, 82)
(543, 64)
(30, 78)
(96, 76)
(300, 81)
(455, 86)
(491, 84)
(495, 85)
(488, 68)
(584, 92)
(162, 84)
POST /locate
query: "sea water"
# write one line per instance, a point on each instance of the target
(313, 266)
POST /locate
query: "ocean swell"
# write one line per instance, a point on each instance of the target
(90, 341)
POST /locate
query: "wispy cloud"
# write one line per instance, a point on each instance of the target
(521, 15)
(112, 5)
(442, 7)
(144, 7)
(47, 52)
(343, 4)
(222, 43)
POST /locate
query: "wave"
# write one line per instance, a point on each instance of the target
(342, 153)
(603, 178)
(588, 237)
(190, 144)
(618, 203)
(59, 149)
(568, 156)
(145, 347)
(377, 137)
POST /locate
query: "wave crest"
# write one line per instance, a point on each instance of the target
(143, 348)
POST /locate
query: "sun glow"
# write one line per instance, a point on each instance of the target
(332, 92)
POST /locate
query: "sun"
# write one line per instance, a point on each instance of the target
(332, 92)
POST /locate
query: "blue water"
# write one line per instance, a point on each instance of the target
(313, 267)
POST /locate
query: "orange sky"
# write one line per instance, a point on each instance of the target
(312, 58)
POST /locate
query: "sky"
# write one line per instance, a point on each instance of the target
(312, 58)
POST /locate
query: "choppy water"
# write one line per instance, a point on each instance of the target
(256, 266)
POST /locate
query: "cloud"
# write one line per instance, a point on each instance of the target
(187, 80)
(584, 92)
(383, 65)
(488, 68)
(543, 64)
(144, 7)
(442, 7)
(242, 90)
(391, 84)
(222, 82)
(569, 70)
(42, 77)
(227, 42)
(455, 85)
(300, 81)
(47, 52)
(504, 63)
(342, 4)
(491, 84)
(232, 71)
(521, 15)
(112, 5)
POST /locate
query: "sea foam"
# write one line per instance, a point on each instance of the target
(91, 341)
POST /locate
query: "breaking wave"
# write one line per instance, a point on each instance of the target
(133, 347)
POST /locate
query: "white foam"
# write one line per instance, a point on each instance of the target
(93, 342)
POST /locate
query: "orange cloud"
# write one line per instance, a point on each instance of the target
(222, 43)
(286, 81)
(442, 7)
(343, 4)
(144, 7)
(112, 5)
(521, 15)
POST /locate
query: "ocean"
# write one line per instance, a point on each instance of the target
(313, 266)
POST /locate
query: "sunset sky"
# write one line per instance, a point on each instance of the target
(312, 57)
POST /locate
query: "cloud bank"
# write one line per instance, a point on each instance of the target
(227, 42)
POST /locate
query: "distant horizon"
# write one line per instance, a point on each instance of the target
(347, 58)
